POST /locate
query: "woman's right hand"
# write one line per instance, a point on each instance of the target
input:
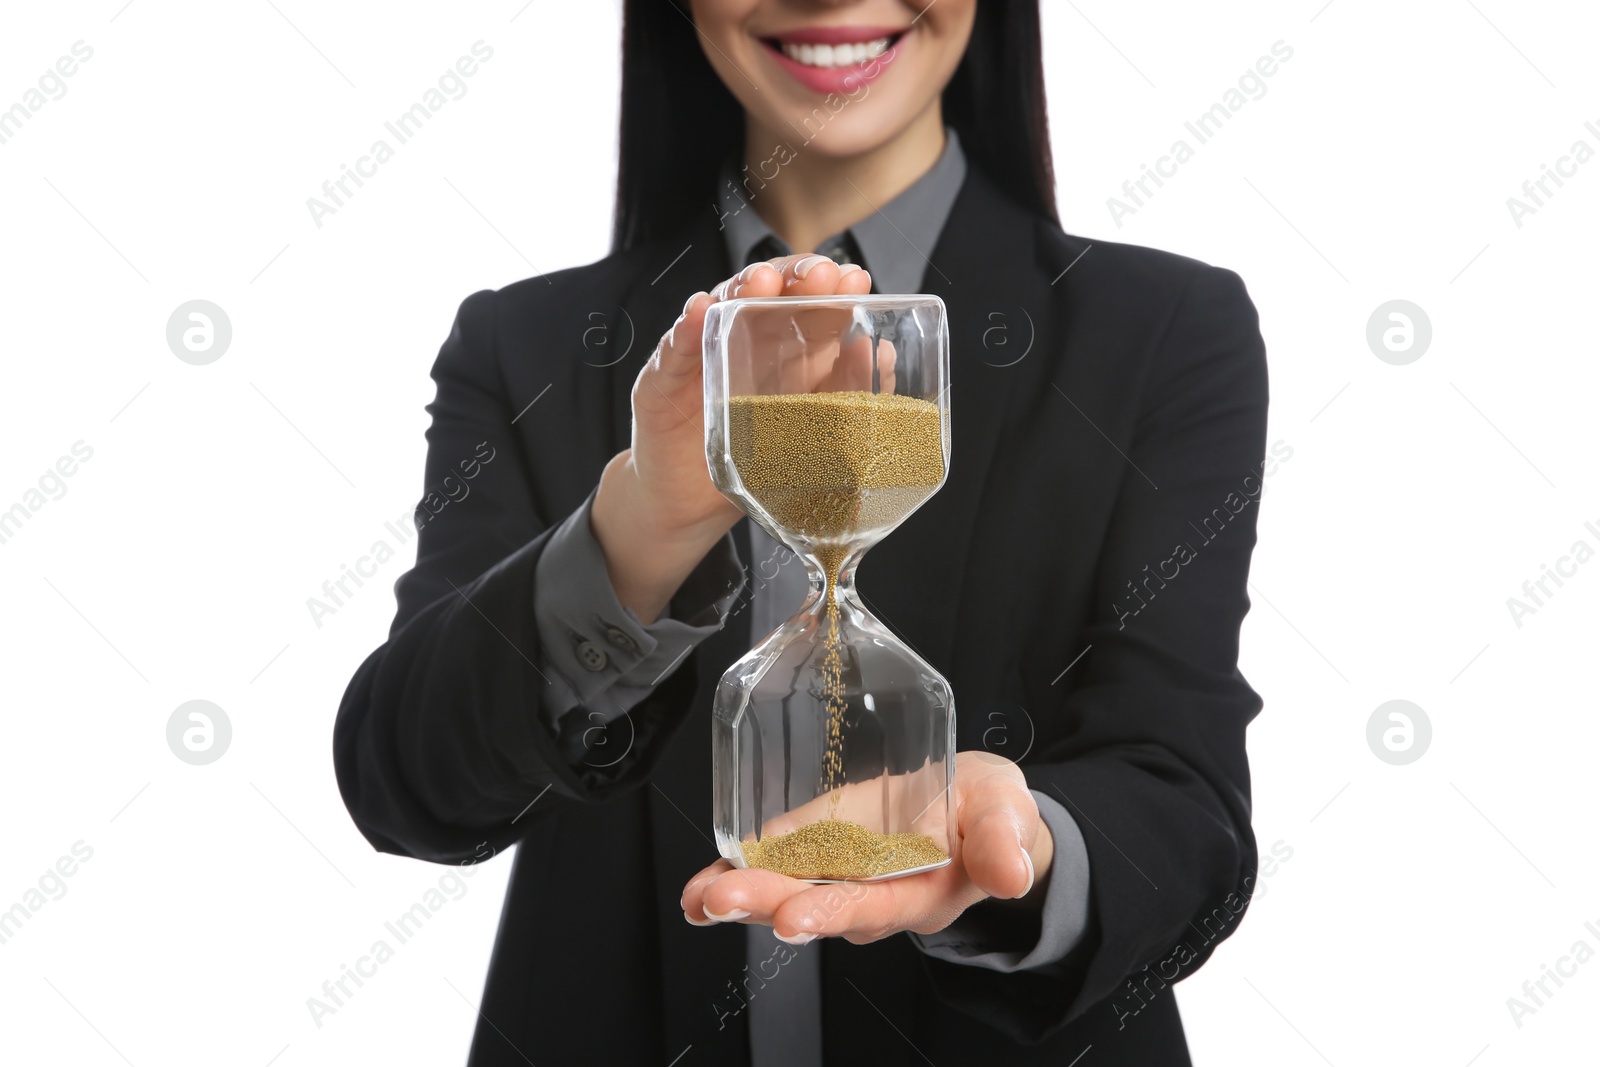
(657, 513)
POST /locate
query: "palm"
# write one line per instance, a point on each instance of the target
(997, 825)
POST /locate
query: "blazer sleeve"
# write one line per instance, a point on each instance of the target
(1154, 768)
(440, 747)
(575, 604)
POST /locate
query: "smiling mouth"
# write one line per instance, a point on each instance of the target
(831, 49)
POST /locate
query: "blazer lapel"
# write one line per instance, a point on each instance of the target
(1001, 325)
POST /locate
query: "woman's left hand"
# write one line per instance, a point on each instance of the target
(999, 844)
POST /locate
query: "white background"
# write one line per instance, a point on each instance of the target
(219, 498)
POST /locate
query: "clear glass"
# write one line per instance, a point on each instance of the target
(826, 420)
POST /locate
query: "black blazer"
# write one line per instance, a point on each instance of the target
(1100, 497)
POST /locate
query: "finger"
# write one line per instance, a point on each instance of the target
(812, 275)
(693, 888)
(801, 275)
(854, 280)
(998, 820)
(865, 912)
(695, 909)
(757, 279)
(854, 367)
(678, 356)
(693, 913)
(806, 274)
(886, 358)
(748, 895)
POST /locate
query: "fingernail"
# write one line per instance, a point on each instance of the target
(1029, 861)
(733, 916)
(689, 303)
(802, 268)
(849, 268)
(692, 922)
(801, 938)
(748, 275)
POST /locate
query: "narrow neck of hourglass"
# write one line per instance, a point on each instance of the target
(834, 567)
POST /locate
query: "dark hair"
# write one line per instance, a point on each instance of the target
(679, 122)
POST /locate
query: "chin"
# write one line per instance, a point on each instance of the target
(844, 136)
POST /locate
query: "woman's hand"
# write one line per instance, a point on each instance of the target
(656, 513)
(999, 844)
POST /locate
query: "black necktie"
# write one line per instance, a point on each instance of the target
(842, 250)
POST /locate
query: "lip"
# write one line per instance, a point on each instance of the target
(836, 34)
(835, 79)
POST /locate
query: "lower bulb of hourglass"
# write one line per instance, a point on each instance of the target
(833, 747)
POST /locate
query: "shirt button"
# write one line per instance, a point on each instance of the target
(620, 639)
(591, 655)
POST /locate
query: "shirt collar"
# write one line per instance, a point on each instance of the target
(895, 240)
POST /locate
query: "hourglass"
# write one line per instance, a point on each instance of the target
(833, 742)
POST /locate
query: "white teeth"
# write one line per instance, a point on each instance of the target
(839, 55)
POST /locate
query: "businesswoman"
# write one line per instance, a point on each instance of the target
(580, 586)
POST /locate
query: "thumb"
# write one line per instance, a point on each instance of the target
(992, 848)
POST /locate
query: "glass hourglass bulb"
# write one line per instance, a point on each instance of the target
(834, 743)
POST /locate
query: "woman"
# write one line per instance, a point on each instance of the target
(1080, 579)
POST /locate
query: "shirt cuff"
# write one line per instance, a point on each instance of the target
(1010, 941)
(594, 643)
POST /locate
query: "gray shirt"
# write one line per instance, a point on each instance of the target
(601, 660)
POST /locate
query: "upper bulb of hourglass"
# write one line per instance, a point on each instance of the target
(826, 421)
